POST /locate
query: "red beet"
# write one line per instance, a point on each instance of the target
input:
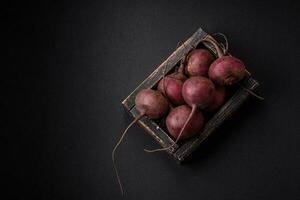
(149, 103)
(171, 86)
(198, 62)
(218, 100)
(198, 91)
(177, 118)
(225, 70)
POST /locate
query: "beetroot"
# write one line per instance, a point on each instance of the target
(149, 103)
(177, 118)
(225, 70)
(218, 100)
(198, 91)
(198, 62)
(171, 86)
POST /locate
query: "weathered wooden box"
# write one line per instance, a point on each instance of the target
(183, 149)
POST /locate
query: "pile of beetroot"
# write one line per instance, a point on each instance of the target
(197, 86)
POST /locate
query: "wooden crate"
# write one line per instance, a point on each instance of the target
(184, 149)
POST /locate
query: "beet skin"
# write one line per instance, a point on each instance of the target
(151, 103)
(226, 70)
(198, 91)
(218, 99)
(198, 62)
(177, 118)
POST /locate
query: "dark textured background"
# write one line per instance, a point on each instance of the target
(71, 64)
